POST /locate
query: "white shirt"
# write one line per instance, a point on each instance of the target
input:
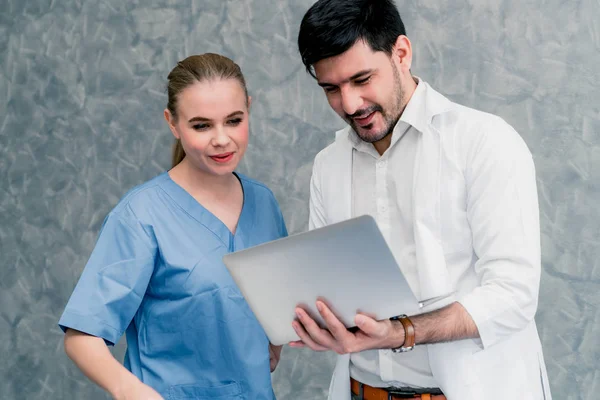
(477, 237)
(381, 188)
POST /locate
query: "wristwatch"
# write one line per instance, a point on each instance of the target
(409, 334)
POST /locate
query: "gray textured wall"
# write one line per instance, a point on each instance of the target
(81, 99)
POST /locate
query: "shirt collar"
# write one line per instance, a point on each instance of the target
(414, 113)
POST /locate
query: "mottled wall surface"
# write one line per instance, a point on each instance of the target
(81, 100)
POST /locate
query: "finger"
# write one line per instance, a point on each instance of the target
(306, 338)
(334, 325)
(320, 336)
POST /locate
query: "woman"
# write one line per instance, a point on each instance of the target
(156, 271)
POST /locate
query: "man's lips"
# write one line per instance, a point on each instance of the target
(223, 157)
(366, 120)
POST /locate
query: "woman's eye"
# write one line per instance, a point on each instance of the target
(235, 121)
(200, 127)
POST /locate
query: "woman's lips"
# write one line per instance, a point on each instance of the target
(222, 158)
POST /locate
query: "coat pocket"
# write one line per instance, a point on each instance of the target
(230, 391)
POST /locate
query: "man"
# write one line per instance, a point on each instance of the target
(453, 191)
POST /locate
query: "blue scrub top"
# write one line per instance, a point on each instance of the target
(157, 274)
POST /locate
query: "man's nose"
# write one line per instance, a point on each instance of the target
(351, 101)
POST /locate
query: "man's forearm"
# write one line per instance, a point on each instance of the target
(447, 324)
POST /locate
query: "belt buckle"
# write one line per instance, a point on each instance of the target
(403, 393)
(410, 393)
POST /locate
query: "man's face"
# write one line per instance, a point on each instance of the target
(364, 88)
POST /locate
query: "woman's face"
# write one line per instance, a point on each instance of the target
(212, 124)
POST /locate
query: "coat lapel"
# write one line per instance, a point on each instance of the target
(338, 180)
(432, 271)
(433, 274)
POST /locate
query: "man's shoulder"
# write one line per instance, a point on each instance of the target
(469, 117)
(468, 124)
(471, 130)
(444, 111)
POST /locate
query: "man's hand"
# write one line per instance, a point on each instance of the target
(371, 334)
(274, 355)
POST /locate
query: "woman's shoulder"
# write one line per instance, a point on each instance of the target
(141, 196)
(262, 196)
(258, 187)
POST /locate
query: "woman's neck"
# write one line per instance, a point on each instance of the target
(200, 183)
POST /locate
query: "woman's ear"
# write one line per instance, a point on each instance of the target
(249, 102)
(171, 121)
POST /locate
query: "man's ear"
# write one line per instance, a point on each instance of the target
(402, 52)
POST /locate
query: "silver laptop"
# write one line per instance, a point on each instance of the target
(348, 265)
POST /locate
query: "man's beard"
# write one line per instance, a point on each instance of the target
(390, 116)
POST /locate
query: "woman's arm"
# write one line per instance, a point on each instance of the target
(95, 360)
(274, 355)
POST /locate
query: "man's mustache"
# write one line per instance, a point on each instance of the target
(365, 112)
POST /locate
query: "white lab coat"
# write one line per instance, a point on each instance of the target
(476, 224)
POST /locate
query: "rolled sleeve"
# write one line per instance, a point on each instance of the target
(503, 212)
(89, 325)
(113, 282)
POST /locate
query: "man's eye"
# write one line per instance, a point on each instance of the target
(363, 81)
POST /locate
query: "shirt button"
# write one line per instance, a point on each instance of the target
(381, 164)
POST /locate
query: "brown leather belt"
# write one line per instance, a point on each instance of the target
(372, 393)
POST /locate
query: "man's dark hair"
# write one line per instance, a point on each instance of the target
(330, 27)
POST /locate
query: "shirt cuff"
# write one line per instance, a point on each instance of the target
(90, 325)
(480, 314)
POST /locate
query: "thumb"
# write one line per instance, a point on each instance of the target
(368, 325)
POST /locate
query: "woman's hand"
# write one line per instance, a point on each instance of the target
(138, 391)
(274, 355)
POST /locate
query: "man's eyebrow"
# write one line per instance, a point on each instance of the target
(353, 77)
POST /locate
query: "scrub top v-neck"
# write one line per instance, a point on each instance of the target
(233, 241)
(156, 272)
